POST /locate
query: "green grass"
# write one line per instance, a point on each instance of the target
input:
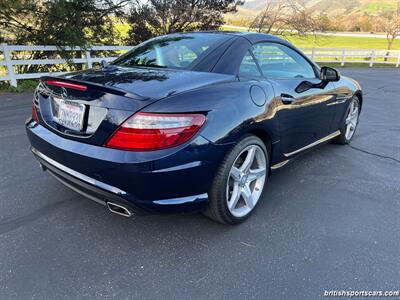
(230, 28)
(23, 86)
(354, 65)
(374, 7)
(324, 41)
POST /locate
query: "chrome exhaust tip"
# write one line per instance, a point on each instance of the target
(119, 209)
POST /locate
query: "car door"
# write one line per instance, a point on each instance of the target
(305, 117)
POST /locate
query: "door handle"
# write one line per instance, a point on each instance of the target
(287, 99)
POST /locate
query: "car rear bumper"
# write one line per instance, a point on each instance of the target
(167, 181)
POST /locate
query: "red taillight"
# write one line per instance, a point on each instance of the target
(69, 85)
(148, 131)
(34, 113)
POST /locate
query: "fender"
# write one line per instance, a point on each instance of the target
(231, 111)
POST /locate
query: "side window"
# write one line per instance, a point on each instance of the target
(248, 67)
(278, 61)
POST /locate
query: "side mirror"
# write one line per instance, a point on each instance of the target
(329, 74)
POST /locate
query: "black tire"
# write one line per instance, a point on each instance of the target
(217, 208)
(342, 139)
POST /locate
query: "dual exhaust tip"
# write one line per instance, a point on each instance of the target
(119, 209)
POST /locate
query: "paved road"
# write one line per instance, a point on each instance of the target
(330, 220)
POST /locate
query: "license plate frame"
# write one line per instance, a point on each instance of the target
(71, 115)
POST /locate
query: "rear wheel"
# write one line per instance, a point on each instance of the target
(239, 182)
(350, 122)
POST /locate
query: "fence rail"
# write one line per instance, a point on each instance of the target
(16, 55)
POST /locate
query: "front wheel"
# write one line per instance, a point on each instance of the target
(239, 182)
(350, 122)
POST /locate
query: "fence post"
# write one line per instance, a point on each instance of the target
(372, 59)
(343, 57)
(10, 69)
(89, 62)
(398, 60)
(313, 53)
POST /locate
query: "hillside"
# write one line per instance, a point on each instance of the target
(337, 7)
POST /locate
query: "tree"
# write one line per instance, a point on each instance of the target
(158, 17)
(285, 17)
(58, 22)
(325, 23)
(14, 16)
(391, 26)
(390, 23)
(362, 23)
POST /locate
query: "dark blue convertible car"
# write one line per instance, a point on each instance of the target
(189, 121)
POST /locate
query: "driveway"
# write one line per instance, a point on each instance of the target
(328, 221)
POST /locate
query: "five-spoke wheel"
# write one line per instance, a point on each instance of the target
(239, 182)
(350, 122)
(352, 119)
(246, 181)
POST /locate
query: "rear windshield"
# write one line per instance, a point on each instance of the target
(174, 51)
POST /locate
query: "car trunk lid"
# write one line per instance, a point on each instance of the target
(146, 82)
(90, 105)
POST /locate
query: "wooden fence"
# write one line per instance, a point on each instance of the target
(16, 55)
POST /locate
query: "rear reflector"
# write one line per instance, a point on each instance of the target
(69, 85)
(148, 131)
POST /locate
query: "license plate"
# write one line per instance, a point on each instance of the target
(71, 115)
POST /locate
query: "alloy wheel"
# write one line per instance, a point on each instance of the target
(246, 181)
(352, 119)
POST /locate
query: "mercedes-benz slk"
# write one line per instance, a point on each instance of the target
(191, 121)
